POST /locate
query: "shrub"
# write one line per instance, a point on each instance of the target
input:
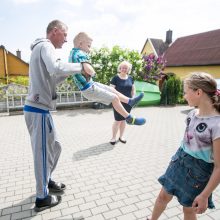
(153, 68)
(171, 90)
(21, 80)
(181, 99)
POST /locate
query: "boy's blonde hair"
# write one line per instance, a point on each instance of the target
(79, 38)
(129, 65)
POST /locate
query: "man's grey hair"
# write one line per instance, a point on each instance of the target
(57, 24)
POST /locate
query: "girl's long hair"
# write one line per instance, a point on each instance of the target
(205, 82)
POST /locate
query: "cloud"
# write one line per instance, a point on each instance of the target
(127, 23)
(73, 2)
(128, 6)
(25, 1)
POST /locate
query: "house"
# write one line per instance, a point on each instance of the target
(198, 52)
(157, 46)
(12, 65)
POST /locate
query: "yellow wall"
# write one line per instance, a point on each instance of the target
(14, 66)
(2, 64)
(185, 70)
(147, 49)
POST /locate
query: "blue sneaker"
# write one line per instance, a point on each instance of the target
(134, 101)
(131, 120)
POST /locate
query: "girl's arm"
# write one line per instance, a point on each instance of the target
(201, 201)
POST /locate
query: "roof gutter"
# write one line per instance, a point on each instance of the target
(5, 64)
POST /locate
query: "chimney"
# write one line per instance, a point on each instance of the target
(169, 37)
(18, 52)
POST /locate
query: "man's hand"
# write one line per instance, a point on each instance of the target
(88, 69)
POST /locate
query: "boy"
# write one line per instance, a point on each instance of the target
(96, 91)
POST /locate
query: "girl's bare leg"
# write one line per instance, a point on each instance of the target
(161, 203)
(189, 213)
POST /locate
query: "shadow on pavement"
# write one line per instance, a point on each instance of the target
(92, 151)
(28, 204)
(84, 111)
(16, 209)
(77, 218)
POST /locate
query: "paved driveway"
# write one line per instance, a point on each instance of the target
(103, 181)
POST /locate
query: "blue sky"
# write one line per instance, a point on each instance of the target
(127, 23)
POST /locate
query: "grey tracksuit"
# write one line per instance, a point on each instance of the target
(45, 71)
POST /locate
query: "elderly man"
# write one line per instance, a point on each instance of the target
(45, 72)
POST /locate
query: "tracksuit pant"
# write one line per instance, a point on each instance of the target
(45, 147)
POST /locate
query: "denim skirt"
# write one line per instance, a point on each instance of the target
(186, 177)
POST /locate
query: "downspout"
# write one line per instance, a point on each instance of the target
(5, 65)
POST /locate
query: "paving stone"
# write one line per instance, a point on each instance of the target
(5, 217)
(96, 217)
(51, 215)
(70, 210)
(20, 215)
(88, 205)
(99, 209)
(11, 210)
(126, 217)
(112, 214)
(128, 209)
(104, 182)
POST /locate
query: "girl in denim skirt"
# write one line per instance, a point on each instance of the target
(194, 171)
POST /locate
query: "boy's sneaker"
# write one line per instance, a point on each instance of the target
(46, 203)
(131, 120)
(134, 101)
(56, 186)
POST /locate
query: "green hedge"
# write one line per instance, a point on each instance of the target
(171, 92)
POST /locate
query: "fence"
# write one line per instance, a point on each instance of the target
(16, 101)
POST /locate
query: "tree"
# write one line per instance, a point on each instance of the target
(106, 61)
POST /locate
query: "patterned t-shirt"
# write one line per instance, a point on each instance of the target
(78, 56)
(199, 135)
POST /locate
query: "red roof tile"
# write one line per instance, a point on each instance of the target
(199, 49)
(159, 46)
